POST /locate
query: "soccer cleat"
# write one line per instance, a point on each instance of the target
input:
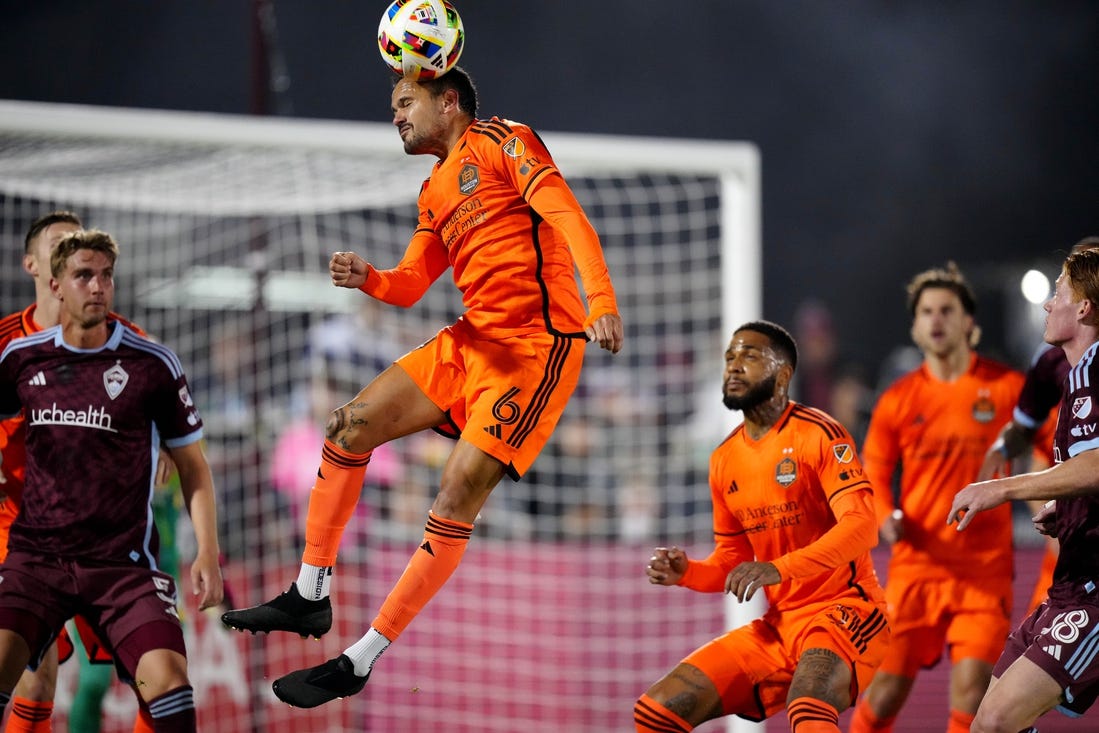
(308, 688)
(286, 612)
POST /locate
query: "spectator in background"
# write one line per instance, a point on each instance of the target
(817, 348)
(823, 381)
(944, 589)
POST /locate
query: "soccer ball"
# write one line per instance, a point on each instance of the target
(420, 39)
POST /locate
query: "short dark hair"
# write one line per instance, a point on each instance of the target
(460, 81)
(93, 239)
(54, 217)
(949, 278)
(780, 338)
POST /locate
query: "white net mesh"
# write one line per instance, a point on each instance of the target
(226, 233)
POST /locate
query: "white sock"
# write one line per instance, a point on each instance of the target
(314, 582)
(364, 652)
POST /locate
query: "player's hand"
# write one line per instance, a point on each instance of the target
(607, 330)
(1045, 518)
(892, 529)
(976, 497)
(165, 466)
(995, 464)
(748, 577)
(206, 581)
(666, 566)
(348, 270)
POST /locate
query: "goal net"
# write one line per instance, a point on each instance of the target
(226, 225)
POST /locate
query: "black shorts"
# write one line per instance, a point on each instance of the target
(1063, 640)
(133, 609)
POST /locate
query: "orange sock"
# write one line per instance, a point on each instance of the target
(810, 715)
(29, 716)
(649, 716)
(331, 502)
(445, 542)
(143, 723)
(864, 720)
(959, 722)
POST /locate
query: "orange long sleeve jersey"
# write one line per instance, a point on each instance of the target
(498, 211)
(797, 498)
(939, 432)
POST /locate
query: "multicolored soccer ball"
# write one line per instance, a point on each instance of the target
(421, 39)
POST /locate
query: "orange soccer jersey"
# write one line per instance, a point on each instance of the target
(497, 210)
(939, 433)
(777, 500)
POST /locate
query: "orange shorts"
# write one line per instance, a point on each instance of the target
(970, 618)
(504, 396)
(752, 666)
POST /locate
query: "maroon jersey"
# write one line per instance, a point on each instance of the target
(1043, 388)
(1076, 576)
(95, 419)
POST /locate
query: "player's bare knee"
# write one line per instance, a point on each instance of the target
(459, 499)
(349, 430)
(993, 721)
(155, 680)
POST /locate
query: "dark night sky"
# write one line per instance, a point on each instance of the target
(894, 134)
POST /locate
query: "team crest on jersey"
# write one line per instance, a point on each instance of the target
(469, 178)
(115, 379)
(786, 472)
(514, 148)
(1081, 407)
(843, 452)
(984, 409)
(185, 397)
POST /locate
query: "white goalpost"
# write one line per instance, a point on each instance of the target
(226, 224)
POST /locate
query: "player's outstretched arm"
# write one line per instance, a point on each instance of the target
(974, 498)
(347, 270)
(197, 485)
(1074, 477)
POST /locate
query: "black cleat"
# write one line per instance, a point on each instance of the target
(308, 688)
(286, 612)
